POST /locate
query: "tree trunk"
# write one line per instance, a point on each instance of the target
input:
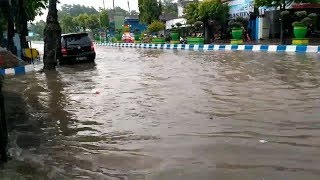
(10, 30)
(22, 24)
(3, 129)
(207, 33)
(52, 38)
(283, 8)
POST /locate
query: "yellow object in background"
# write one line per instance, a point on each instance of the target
(31, 53)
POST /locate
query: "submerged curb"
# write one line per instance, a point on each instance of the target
(207, 47)
(17, 70)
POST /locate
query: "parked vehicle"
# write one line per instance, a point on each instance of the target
(76, 47)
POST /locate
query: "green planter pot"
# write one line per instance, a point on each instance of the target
(300, 31)
(158, 41)
(175, 36)
(195, 40)
(236, 33)
(137, 37)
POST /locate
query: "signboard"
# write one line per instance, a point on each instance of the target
(241, 8)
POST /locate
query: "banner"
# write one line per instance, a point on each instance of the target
(241, 8)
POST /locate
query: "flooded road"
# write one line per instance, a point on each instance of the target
(170, 115)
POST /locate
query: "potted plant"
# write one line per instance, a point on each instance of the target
(300, 27)
(236, 27)
(154, 28)
(174, 33)
(197, 27)
(137, 35)
(118, 35)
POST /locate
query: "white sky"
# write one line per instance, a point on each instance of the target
(96, 4)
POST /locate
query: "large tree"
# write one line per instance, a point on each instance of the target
(75, 10)
(213, 14)
(150, 10)
(68, 24)
(8, 17)
(104, 19)
(27, 10)
(38, 29)
(169, 9)
(52, 37)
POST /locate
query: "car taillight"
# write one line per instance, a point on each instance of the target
(64, 51)
(92, 46)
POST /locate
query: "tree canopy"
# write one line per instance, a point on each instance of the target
(213, 13)
(104, 19)
(169, 9)
(75, 10)
(150, 10)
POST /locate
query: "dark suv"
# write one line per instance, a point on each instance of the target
(76, 47)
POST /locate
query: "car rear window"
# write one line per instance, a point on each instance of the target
(77, 40)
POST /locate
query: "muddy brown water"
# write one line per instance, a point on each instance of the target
(169, 115)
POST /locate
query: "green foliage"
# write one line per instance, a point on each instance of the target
(33, 8)
(38, 29)
(313, 17)
(150, 11)
(284, 14)
(75, 10)
(301, 14)
(82, 20)
(208, 10)
(93, 22)
(156, 26)
(303, 19)
(113, 40)
(238, 22)
(213, 10)
(169, 8)
(68, 24)
(191, 13)
(198, 25)
(104, 19)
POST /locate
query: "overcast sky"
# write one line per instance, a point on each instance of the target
(96, 4)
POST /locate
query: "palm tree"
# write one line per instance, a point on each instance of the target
(52, 38)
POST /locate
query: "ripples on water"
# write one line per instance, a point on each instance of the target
(151, 114)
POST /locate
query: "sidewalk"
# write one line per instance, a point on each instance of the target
(312, 41)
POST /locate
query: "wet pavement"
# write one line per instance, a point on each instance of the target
(169, 115)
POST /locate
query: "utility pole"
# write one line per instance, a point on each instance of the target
(104, 6)
(114, 10)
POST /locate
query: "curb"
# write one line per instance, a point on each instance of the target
(207, 47)
(17, 70)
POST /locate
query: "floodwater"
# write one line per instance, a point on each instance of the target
(169, 115)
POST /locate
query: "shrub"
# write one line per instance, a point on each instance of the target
(156, 26)
(238, 22)
(198, 25)
(303, 19)
(284, 13)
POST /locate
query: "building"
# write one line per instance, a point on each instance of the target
(181, 5)
(133, 22)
